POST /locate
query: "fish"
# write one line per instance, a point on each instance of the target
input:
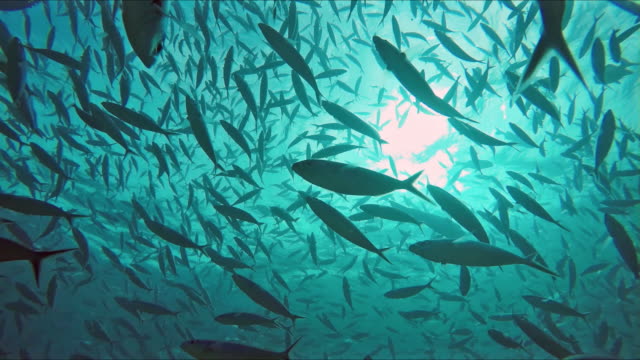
(623, 243)
(540, 338)
(532, 206)
(406, 292)
(245, 319)
(504, 340)
(526, 139)
(465, 280)
(605, 138)
(30, 206)
(199, 129)
(337, 222)
(476, 135)
(552, 306)
(223, 350)
(346, 291)
(411, 79)
(290, 55)
(262, 297)
(551, 38)
(14, 5)
(470, 253)
(144, 23)
(352, 180)
(459, 212)
(453, 47)
(170, 235)
(47, 160)
(334, 150)
(236, 213)
(134, 118)
(351, 120)
(389, 213)
(12, 251)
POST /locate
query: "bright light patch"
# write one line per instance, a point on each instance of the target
(418, 132)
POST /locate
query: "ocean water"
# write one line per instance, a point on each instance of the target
(164, 228)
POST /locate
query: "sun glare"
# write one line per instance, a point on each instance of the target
(417, 133)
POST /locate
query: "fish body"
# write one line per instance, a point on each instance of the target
(223, 350)
(411, 78)
(403, 293)
(236, 135)
(199, 129)
(245, 319)
(351, 120)
(531, 205)
(503, 339)
(339, 223)
(352, 180)
(552, 306)
(623, 243)
(459, 212)
(290, 55)
(538, 336)
(144, 24)
(31, 206)
(262, 297)
(134, 118)
(389, 213)
(605, 138)
(470, 253)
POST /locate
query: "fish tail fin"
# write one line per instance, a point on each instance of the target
(562, 227)
(380, 253)
(70, 217)
(407, 184)
(294, 318)
(543, 152)
(542, 47)
(285, 353)
(541, 268)
(37, 258)
(560, 44)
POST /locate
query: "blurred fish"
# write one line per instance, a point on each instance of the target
(212, 349)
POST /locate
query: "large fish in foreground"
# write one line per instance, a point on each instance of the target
(11, 251)
(223, 350)
(470, 253)
(352, 180)
(551, 38)
(412, 79)
(144, 23)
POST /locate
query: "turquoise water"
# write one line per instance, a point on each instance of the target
(82, 306)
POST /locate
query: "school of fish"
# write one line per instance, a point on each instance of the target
(213, 179)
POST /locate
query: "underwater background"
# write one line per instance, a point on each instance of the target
(128, 293)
